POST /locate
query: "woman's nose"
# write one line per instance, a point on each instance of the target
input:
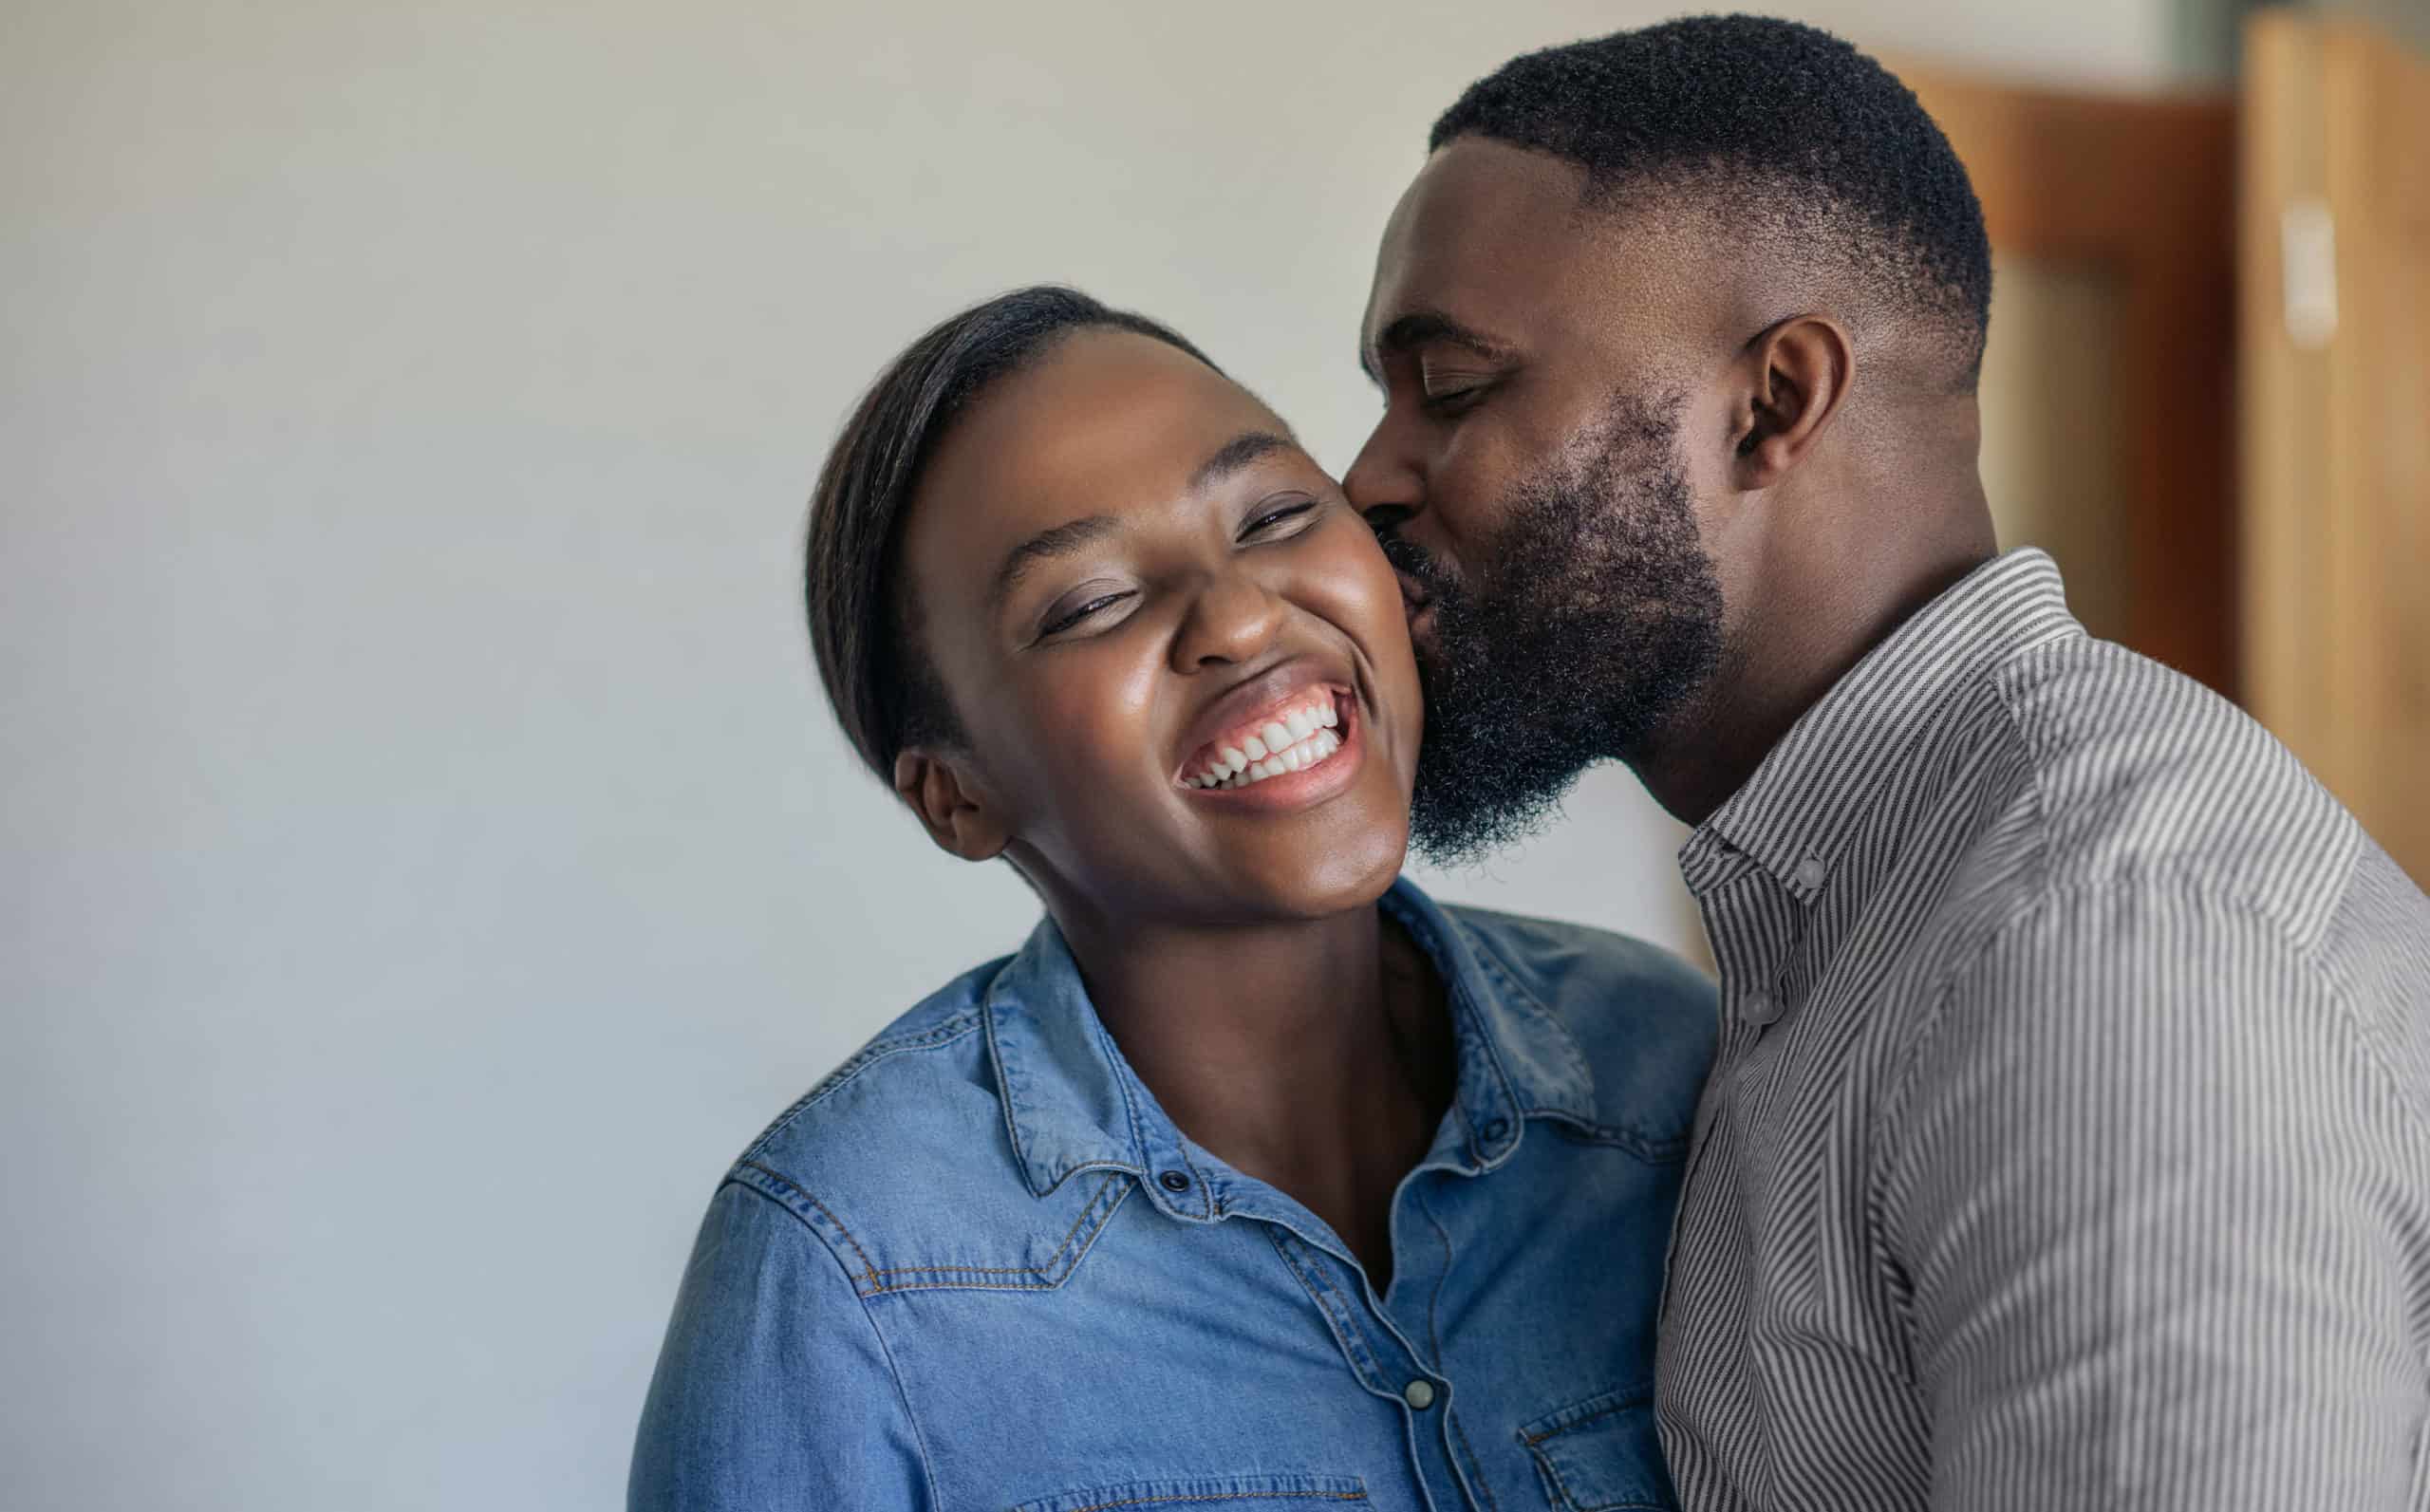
(1233, 619)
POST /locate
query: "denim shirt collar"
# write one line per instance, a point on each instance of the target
(1072, 1102)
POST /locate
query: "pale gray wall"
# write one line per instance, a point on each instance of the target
(426, 858)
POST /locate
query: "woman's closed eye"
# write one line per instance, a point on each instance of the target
(1072, 611)
(1267, 518)
(1271, 519)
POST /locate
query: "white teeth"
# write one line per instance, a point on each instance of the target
(1298, 756)
(1292, 741)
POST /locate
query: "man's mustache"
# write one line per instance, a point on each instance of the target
(1430, 578)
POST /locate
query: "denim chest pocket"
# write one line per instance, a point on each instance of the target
(1228, 1493)
(1601, 1455)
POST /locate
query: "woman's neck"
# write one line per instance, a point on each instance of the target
(1315, 1055)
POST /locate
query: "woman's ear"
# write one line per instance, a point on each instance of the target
(1796, 375)
(949, 805)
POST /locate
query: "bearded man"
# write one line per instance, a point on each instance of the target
(2069, 1142)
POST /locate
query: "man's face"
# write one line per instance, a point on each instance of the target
(1551, 381)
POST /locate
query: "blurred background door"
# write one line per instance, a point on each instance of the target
(2335, 344)
(2207, 392)
(2108, 394)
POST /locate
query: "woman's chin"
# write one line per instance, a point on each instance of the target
(1338, 869)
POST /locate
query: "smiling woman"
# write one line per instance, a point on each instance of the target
(1256, 1176)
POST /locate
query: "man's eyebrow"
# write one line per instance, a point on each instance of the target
(1235, 454)
(1063, 540)
(1419, 328)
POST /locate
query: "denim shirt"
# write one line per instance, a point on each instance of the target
(978, 1269)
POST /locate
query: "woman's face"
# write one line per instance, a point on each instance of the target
(1177, 652)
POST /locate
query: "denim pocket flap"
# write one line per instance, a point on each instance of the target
(1601, 1454)
(1229, 1493)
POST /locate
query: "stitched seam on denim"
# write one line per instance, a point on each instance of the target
(1434, 1299)
(895, 1372)
(1568, 1496)
(945, 1033)
(1122, 1190)
(903, 1393)
(1489, 954)
(1228, 1496)
(1039, 1270)
(1362, 1358)
(1632, 1136)
(1628, 1401)
(1005, 1084)
(1138, 1138)
(1476, 1466)
(1552, 1473)
(804, 1194)
(1653, 1151)
(1458, 988)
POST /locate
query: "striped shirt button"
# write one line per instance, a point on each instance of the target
(1810, 874)
(1760, 1008)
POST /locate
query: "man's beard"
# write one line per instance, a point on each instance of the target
(1595, 618)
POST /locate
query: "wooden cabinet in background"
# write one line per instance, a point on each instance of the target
(2208, 388)
(2334, 338)
(2109, 390)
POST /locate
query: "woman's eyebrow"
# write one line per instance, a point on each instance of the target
(1061, 540)
(1235, 454)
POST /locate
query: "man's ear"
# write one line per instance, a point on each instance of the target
(949, 805)
(1797, 374)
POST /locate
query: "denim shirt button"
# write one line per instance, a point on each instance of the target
(1418, 1394)
(1174, 1181)
(1493, 1130)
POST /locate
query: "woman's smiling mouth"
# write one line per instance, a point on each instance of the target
(1293, 735)
(1295, 748)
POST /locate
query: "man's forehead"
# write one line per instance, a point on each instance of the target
(1482, 228)
(1508, 243)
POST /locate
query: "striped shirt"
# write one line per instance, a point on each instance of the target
(2068, 1141)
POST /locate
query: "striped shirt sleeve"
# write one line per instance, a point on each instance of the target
(2138, 1215)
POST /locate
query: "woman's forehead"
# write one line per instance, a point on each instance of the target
(1105, 424)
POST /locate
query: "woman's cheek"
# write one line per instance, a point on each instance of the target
(1096, 715)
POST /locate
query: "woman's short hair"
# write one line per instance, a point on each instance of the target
(878, 676)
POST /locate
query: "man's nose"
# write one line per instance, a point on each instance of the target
(1384, 482)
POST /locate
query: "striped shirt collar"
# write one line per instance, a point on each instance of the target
(1795, 815)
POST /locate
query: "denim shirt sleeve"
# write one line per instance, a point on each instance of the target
(772, 1388)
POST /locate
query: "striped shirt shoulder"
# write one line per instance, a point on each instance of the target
(2145, 783)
